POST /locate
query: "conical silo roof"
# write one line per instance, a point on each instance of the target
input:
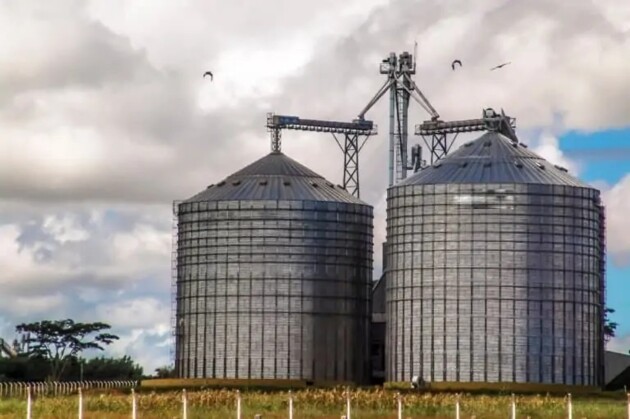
(493, 158)
(275, 177)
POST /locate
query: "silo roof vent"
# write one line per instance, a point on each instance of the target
(508, 163)
(269, 177)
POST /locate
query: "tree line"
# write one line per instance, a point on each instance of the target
(51, 350)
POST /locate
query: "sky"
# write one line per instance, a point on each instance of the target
(105, 120)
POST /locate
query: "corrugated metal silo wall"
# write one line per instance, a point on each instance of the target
(274, 290)
(495, 283)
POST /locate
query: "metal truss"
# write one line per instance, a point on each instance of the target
(355, 135)
(435, 133)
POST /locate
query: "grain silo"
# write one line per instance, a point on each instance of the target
(274, 270)
(495, 271)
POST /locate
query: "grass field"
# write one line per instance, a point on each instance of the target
(314, 403)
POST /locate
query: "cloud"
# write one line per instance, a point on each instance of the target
(557, 67)
(548, 147)
(619, 344)
(107, 119)
(82, 57)
(105, 249)
(139, 313)
(617, 202)
(145, 325)
(139, 133)
(148, 347)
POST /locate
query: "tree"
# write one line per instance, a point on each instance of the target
(165, 372)
(60, 341)
(94, 369)
(102, 368)
(24, 369)
(609, 326)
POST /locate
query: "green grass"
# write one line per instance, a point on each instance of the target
(317, 403)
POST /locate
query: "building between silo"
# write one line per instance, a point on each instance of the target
(495, 271)
(274, 268)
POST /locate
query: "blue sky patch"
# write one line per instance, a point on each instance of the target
(605, 155)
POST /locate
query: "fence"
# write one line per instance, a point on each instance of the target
(31, 389)
(20, 389)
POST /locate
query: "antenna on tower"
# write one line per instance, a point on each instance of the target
(415, 55)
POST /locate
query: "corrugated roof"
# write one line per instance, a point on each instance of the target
(614, 364)
(493, 158)
(275, 177)
(275, 163)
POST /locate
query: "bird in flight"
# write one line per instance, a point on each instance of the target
(455, 62)
(208, 73)
(500, 65)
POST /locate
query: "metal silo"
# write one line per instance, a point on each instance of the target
(274, 271)
(495, 271)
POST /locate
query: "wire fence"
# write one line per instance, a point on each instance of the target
(21, 389)
(30, 390)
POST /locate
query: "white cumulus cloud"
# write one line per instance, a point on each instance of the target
(617, 202)
(105, 119)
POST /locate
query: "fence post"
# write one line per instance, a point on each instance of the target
(348, 404)
(29, 402)
(399, 402)
(291, 405)
(133, 404)
(457, 408)
(569, 406)
(80, 404)
(184, 405)
(238, 404)
(628, 405)
(513, 416)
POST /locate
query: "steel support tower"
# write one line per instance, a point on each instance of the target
(401, 88)
(355, 135)
(438, 135)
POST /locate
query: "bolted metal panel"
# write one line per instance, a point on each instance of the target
(274, 289)
(275, 177)
(495, 282)
(493, 158)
